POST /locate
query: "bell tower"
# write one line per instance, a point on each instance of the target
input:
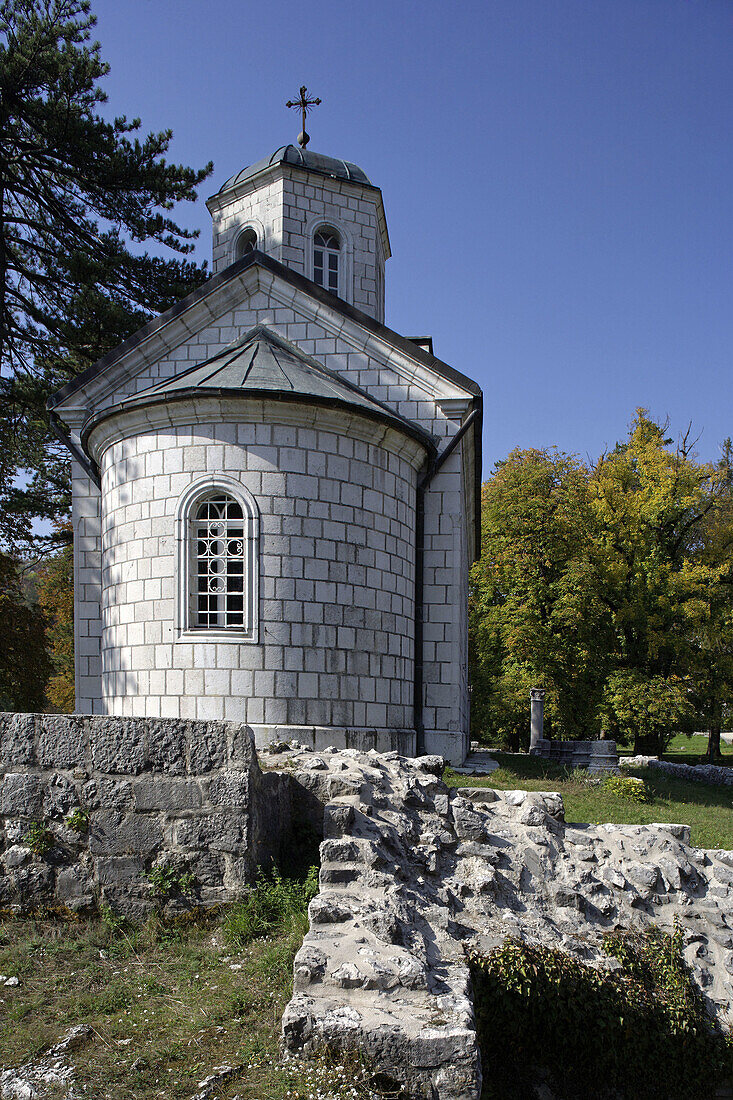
(318, 215)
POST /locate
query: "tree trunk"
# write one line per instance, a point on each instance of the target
(714, 754)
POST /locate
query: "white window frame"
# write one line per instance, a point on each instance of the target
(187, 592)
(314, 224)
(329, 251)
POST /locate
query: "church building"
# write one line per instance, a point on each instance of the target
(276, 498)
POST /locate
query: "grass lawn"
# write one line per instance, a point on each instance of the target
(707, 809)
(167, 1005)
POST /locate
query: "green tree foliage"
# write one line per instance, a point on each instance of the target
(610, 586)
(535, 618)
(55, 587)
(651, 503)
(79, 197)
(710, 614)
(24, 664)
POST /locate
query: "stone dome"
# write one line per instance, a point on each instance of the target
(302, 158)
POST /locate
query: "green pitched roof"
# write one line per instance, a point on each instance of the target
(261, 364)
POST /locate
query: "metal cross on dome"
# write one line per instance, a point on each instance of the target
(305, 104)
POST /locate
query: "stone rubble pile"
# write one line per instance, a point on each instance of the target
(701, 773)
(413, 872)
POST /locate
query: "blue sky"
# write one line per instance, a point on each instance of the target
(557, 176)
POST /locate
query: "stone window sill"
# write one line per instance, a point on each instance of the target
(231, 636)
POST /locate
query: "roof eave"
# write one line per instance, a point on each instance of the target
(196, 393)
(296, 280)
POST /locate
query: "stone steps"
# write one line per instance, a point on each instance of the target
(478, 763)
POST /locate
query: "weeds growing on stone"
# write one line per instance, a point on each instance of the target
(78, 821)
(640, 1030)
(274, 906)
(168, 879)
(38, 838)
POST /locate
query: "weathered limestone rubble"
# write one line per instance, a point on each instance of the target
(701, 773)
(49, 1075)
(412, 873)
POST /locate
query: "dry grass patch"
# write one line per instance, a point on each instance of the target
(168, 1005)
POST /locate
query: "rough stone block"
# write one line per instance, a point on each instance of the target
(74, 886)
(240, 872)
(136, 902)
(230, 790)
(62, 741)
(167, 745)
(157, 793)
(207, 746)
(21, 795)
(118, 870)
(112, 834)
(112, 794)
(59, 796)
(16, 855)
(17, 739)
(33, 883)
(208, 869)
(242, 747)
(217, 832)
(119, 745)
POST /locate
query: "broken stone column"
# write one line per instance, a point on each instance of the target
(537, 716)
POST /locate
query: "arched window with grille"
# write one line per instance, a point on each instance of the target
(219, 556)
(326, 259)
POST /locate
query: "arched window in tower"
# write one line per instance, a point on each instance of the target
(219, 556)
(326, 256)
(246, 243)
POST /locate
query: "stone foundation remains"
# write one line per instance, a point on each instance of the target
(718, 776)
(595, 756)
(411, 872)
(110, 798)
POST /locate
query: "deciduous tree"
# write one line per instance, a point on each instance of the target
(535, 620)
(610, 586)
(24, 663)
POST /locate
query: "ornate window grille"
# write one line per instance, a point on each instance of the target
(217, 530)
(219, 539)
(326, 252)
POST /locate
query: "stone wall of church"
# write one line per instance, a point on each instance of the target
(445, 616)
(445, 692)
(259, 207)
(86, 524)
(336, 495)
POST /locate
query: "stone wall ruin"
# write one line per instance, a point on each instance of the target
(411, 874)
(117, 796)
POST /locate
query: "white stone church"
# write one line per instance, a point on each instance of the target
(276, 497)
